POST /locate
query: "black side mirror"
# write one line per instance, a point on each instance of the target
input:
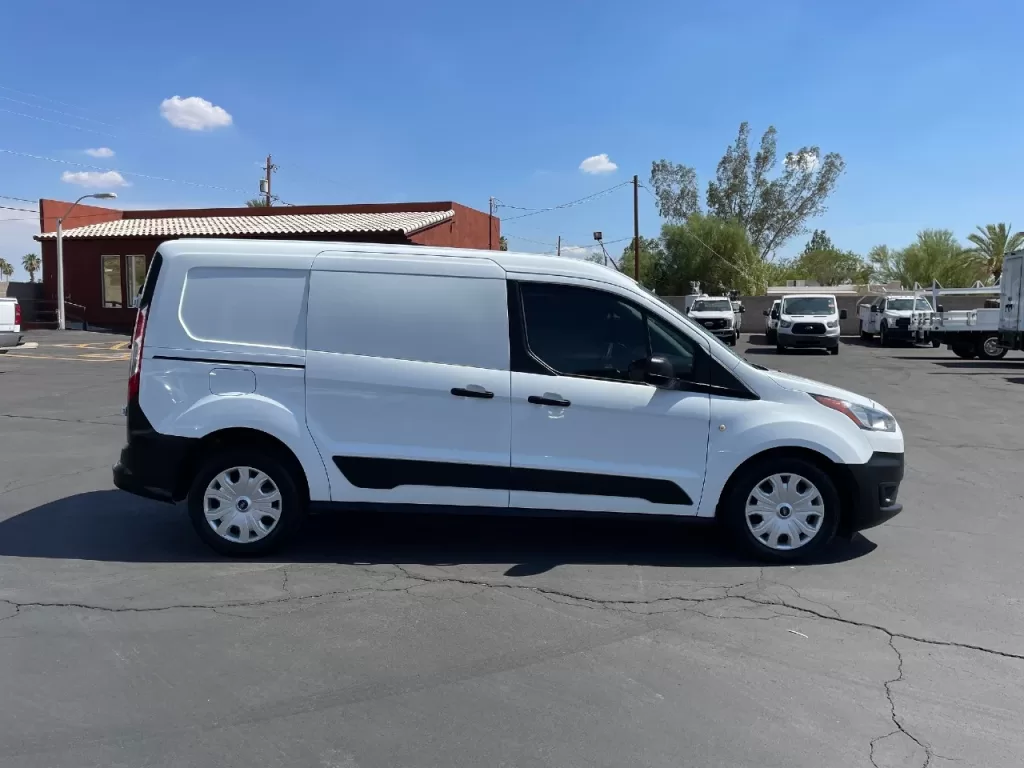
(764, 312)
(874, 307)
(654, 370)
(775, 314)
(842, 314)
(687, 310)
(742, 309)
(938, 308)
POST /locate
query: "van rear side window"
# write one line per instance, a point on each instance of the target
(425, 318)
(239, 305)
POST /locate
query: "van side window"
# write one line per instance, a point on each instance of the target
(675, 347)
(583, 332)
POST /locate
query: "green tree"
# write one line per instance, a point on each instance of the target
(992, 241)
(819, 241)
(32, 264)
(257, 202)
(935, 255)
(712, 251)
(6, 270)
(652, 262)
(771, 210)
(502, 243)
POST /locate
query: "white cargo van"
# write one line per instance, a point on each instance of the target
(10, 322)
(809, 321)
(268, 379)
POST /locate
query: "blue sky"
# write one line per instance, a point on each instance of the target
(464, 100)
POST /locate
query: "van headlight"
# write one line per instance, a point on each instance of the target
(832, 324)
(866, 418)
(785, 323)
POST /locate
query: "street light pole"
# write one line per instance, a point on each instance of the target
(61, 321)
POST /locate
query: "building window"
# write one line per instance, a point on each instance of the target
(136, 277)
(113, 289)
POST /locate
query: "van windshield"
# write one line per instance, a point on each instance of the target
(712, 305)
(809, 305)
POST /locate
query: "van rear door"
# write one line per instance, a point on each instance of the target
(7, 311)
(1010, 298)
(407, 378)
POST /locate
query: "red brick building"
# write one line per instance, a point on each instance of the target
(107, 251)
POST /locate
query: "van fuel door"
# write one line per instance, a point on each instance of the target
(232, 381)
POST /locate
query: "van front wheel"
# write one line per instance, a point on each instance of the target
(244, 502)
(781, 509)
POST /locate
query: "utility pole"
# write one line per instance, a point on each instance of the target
(636, 228)
(558, 252)
(270, 168)
(490, 224)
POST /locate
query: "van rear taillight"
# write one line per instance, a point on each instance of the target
(135, 365)
(17, 314)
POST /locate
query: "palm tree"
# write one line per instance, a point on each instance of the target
(6, 270)
(257, 202)
(994, 240)
(32, 264)
(935, 255)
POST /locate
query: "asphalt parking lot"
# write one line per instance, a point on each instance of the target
(427, 641)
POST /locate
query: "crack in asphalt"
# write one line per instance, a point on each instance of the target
(632, 606)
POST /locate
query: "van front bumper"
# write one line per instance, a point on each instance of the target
(809, 340)
(876, 485)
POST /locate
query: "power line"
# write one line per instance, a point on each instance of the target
(44, 98)
(57, 111)
(19, 199)
(58, 122)
(9, 208)
(571, 203)
(126, 173)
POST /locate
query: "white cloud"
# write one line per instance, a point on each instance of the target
(580, 252)
(194, 114)
(94, 178)
(100, 152)
(804, 161)
(598, 164)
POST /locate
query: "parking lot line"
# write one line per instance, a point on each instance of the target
(86, 357)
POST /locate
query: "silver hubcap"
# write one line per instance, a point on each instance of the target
(784, 511)
(242, 505)
(992, 347)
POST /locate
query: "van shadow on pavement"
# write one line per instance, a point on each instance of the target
(114, 526)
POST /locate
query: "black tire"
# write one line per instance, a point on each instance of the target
(990, 355)
(964, 350)
(779, 349)
(732, 341)
(771, 336)
(834, 350)
(864, 335)
(883, 340)
(268, 461)
(732, 509)
(936, 343)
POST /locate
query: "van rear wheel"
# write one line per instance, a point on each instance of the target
(781, 509)
(245, 502)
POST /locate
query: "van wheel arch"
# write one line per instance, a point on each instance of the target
(838, 473)
(238, 437)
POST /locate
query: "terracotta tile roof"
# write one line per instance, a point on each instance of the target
(279, 224)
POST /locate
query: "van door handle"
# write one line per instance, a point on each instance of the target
(538, 400)
(481, 393)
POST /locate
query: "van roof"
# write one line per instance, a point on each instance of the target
(507, 260)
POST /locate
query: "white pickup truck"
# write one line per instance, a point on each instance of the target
(717, 315)
(970, 333)
(10, 322)
(892, 318)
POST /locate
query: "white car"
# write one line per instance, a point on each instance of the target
(10, 322)
(891, 318)
(717, 315)
(771, 322)
(809, 321)
(269, 379)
